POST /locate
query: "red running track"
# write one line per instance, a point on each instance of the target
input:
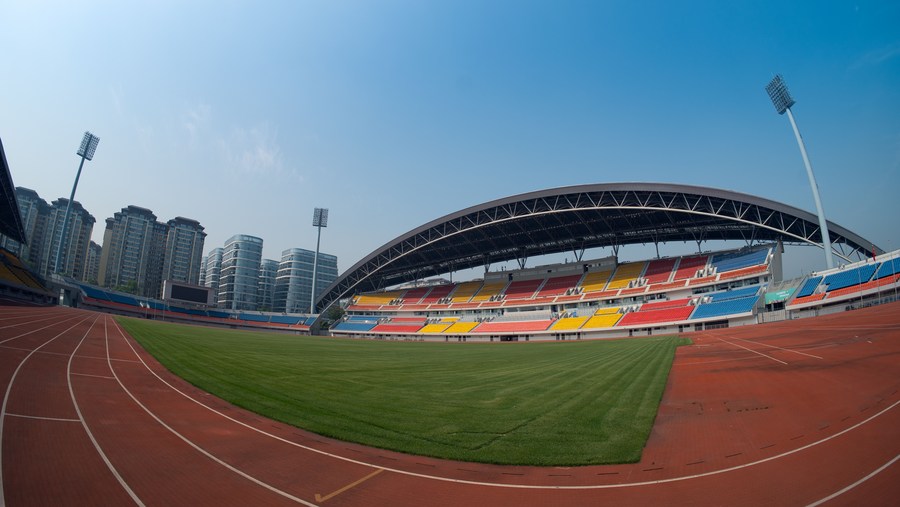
(794, 413)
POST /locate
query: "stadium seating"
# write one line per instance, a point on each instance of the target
(558, 285)
(595, 281)
(489, 290)
(461, 327)
(888, 268)
(688, 266)
(848, 277)
(437, 293)
(603, 320)
(725, 307)
(660, 270)
(809, 286)
(287, 319)
(569, 323)
(397, 328)
(668, 303)
(413, 296)
(379, 299)
(522, 289)
(438, 328)
(252, 317)
(466, 290)
(641, 318)
(744, 272)
(524, 326)
(736, 260)
(733, 294)
(625, 274)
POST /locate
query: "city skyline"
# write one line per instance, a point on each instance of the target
(394, 114)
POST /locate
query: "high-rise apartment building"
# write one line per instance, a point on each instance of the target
(268, 269)
(140, 252)
(127, 261)
(213, 272)
(34, 212)
(92, 265)
(43, 225)
(78, 236)
(239, 279)
(293, 284)
(202, 282)
(184, 250)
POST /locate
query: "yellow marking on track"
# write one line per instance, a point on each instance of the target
(320, 498)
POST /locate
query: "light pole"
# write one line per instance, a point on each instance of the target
(320, 219)
(86, 152)
(781, 98)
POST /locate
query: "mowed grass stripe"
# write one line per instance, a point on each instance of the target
(569, 403)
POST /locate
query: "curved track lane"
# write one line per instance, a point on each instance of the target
(793, 413)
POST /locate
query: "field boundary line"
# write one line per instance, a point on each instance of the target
(505, 485)
(12, 380)
(87, 430)
(855, 484)
(188, 441)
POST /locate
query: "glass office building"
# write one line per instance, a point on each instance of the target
(239, 278)
(293, 283)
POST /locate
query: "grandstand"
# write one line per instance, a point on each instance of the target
(602, 298)
(550, 302)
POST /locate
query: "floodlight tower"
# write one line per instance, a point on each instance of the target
(783, 101)
(320, 219)
(86, 151)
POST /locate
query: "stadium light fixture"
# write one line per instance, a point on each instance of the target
(320, 219)
(86, 151)
(782, 100)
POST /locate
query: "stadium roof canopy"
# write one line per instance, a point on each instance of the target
(10, 218)
(572, 219)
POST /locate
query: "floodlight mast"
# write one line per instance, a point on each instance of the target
(320, 219)
(782, 100)
(86, 151)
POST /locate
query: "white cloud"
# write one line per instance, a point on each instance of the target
(879, 56)
(195, 119)
(254, 152)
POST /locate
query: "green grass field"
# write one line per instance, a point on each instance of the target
(563, 404)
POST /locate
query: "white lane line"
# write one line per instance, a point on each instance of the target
(692, 363)
(499, 485)
(41, 328)
(855, 484)
(192, 444)
(751, 350)
(12, 380)
(774, 347)
(41, 418)
(87, 430)
(93, 376)
(27, 321)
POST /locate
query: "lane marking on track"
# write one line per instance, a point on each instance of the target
(12, 380)
(774, 347)
(42, 328)
(93, 376)
(855, 484)
(29, 322)
(41, 418)
(320, 498)
(692, 363)
(87, 430)
(754, 351)
(500, 485)
(189, 441)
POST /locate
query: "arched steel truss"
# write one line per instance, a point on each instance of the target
(581, 217)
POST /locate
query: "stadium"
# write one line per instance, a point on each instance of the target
(787, 393)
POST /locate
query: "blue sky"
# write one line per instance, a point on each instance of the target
(247, 115)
